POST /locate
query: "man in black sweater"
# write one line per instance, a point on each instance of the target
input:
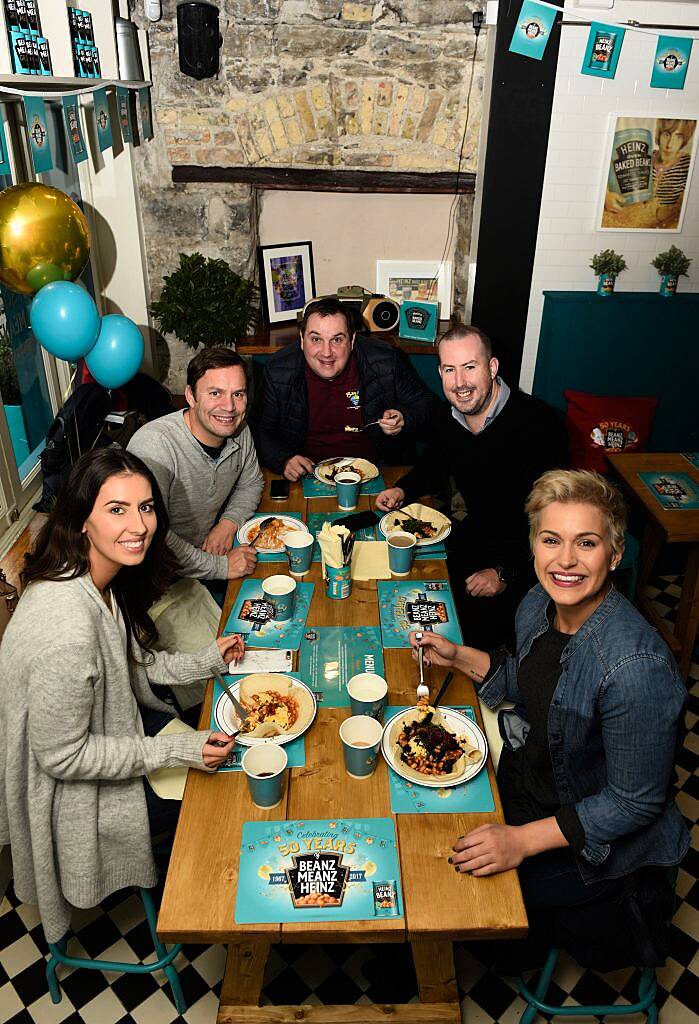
(493, 443)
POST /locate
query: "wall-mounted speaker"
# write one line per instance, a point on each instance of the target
(198, 38)
(380, 314)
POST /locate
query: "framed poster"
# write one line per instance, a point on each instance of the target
(416, 280)
(648, 174)
(287, 280)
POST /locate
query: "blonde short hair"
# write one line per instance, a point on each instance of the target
(580, 486)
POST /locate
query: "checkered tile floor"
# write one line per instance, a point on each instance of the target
(337, 974)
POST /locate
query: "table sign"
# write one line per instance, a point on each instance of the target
(318, 871)
(272, 556)
(474, 797)
(692, 458)
(406, 605)
(672, 490)
(331, 655)
(251, 616)
(295, 751)
(313, 488)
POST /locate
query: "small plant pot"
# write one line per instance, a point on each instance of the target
(668, 284)
(605, 285)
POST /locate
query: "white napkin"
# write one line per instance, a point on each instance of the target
(330, 543)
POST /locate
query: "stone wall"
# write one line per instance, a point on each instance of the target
(316, 83)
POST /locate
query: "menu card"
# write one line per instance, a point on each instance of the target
(251, 616)
(407, 605)
(341, 870)
(331, 655)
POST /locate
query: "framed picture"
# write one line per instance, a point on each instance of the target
(287, 281)
(648, 174)
(417, 280)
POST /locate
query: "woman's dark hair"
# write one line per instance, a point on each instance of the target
(61, 550)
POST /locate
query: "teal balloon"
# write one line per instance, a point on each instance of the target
(118, 352)
(65, 320)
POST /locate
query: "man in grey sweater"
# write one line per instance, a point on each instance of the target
(205, 463)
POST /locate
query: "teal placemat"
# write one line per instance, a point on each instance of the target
(672, 490)
(285, 866)
(473, 797)
(273, 556)
(331, 655)
(406, 605)
(313, 488)
(692, 458)
(250, 616)
(295, 751)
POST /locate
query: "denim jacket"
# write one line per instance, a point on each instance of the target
(612, 726)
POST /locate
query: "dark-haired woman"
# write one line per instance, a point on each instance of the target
(76, 704)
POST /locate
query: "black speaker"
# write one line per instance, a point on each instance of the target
(199, 39)
(380, 313)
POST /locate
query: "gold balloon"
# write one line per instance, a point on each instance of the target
(43, 237)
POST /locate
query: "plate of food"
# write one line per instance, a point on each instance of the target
(281, 708)
(434, 747)
(427, 524)
(327, 470)
(267, 532)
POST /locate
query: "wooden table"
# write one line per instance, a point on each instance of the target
(672, 526)
(440, 906)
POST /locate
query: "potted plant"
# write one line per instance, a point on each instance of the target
(607, 264)
(671, 265)
(12, 400)
(204, 302)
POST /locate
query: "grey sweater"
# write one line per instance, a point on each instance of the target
(198, 489)
(72, 749)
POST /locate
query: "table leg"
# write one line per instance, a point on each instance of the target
(245, 968)
(435, 970)
(688, 611)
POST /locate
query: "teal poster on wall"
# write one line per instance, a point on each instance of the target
(603, 49)
(144, 106)
(103, 119)
(71, 115)
(532, 30)
(37, 130)
(671, 62)
(4, 154)
(124, 108)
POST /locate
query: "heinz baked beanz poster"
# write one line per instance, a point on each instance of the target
(318, 871)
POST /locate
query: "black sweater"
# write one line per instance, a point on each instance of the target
(494, 471)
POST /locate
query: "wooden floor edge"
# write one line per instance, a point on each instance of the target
(400, 1013)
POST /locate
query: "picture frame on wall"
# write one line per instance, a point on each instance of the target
(648, 174)
(417, 281)
(287, 280)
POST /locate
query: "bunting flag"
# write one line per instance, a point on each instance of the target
(603, 49)
(71, 114)
(4, 153)
(671, 62)
(144, 104)
(124, 109)
(532, 30)
(103, 119)
(38, 132)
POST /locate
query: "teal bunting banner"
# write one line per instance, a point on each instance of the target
(37, 130)
(4, 153)
(144, 105)
(603, 49)
(124, 108)
(532, 30)
(103, 119)
(71, 115)
(671, 62)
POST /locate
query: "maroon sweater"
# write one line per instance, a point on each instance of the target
(334, 405)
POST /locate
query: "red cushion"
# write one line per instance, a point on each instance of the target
(598, 424)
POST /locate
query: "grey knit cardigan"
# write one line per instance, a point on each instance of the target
(72, 749)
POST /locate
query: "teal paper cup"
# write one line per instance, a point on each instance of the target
(361, 739)
(368, 694)
(265, 766)
(401, 548)
(338, 582)
(280, 591)
(347, 486)
(299, 551)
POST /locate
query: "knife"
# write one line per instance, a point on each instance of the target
(443, 689)
(241, 712)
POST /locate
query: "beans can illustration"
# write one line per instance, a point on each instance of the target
(630, 169)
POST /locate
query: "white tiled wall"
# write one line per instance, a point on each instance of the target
(583, 114)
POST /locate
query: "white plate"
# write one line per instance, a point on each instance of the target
(227, 720)
(422, 542)
(289, 521)
(457, 722)
(372, 474)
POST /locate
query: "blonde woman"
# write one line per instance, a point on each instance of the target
(589, 747)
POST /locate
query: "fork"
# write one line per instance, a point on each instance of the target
(374, 423)
(422, 690)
